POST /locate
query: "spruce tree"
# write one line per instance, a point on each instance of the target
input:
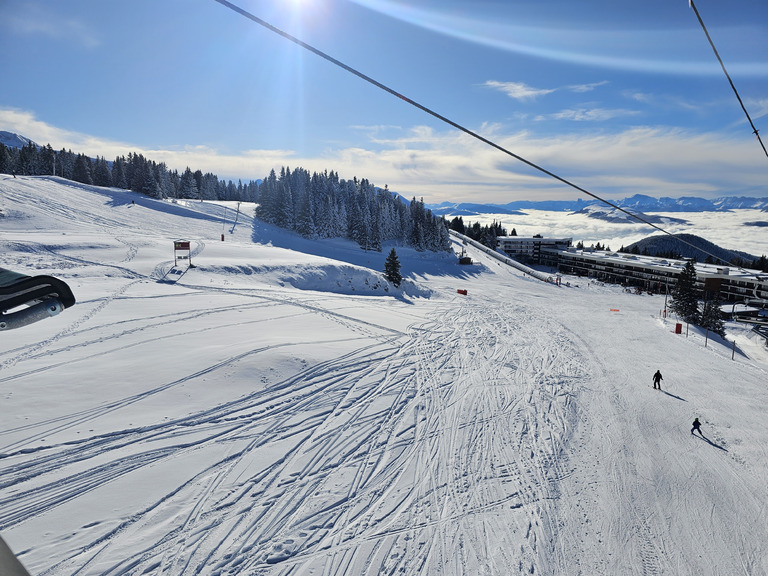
(82, 170)
(712, 317)
(5, 160)
(684, 299)
(46, 159)
(188, 185)
(102, 175)
(457, 225)
(27, 164)
(118, 173)
(304, 224)
(392, 269)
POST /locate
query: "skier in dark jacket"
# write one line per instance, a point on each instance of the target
(697, 427)
(657, 379)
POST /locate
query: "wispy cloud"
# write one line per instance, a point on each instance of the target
(758, 108)
(581, 88)
(638, 96)
(31, 19)
(669, 102)
(247, 164)
(439, 165)
(588, 114)
(518, 90)
(523, 92)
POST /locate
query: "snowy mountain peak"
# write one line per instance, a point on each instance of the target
(13, 140)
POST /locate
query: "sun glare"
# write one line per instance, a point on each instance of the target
(307, 11)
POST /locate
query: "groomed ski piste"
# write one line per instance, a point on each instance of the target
(280, 409)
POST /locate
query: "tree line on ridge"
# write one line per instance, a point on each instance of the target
(315, 206)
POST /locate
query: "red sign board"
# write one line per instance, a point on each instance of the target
(181, 245)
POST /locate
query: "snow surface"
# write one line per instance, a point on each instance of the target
(280, 409)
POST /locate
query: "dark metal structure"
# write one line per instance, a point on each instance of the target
(26, 299)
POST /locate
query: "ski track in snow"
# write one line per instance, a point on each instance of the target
(386, 433)
(496, 433)
(386, 436)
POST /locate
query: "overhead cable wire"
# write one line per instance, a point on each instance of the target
(450, 122)
(755, 131)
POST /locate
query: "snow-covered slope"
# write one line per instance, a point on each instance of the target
(13, 140)
(275, 410)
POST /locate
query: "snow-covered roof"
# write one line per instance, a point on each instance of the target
(675, 266)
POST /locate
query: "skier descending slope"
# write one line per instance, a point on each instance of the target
(697, 427)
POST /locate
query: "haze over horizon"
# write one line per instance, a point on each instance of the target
(618, 99)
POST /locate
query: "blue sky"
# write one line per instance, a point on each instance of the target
(620, 98)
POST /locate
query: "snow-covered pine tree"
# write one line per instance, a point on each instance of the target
(392, 269)
(118, 173)
(685, 301)
(163, 179)
(102, 175)
(5, 160)
(284, 213)
(149, 185)
(319, 205)
(267, 206)
(712, 317)
(208, 185)
(417, 232)
(388, 217)
(65, 160)
(304, 223)
(188, 185)
(175, 179)
(82, 170)
(47, 160)
(375, 235)
(323, 214)
(445, 237)
(27, 160)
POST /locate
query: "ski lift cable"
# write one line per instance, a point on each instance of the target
(450, 122)
(755, 131)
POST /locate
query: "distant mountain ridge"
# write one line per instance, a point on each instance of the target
(13, 140)
(636, 203)
(470, 209)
